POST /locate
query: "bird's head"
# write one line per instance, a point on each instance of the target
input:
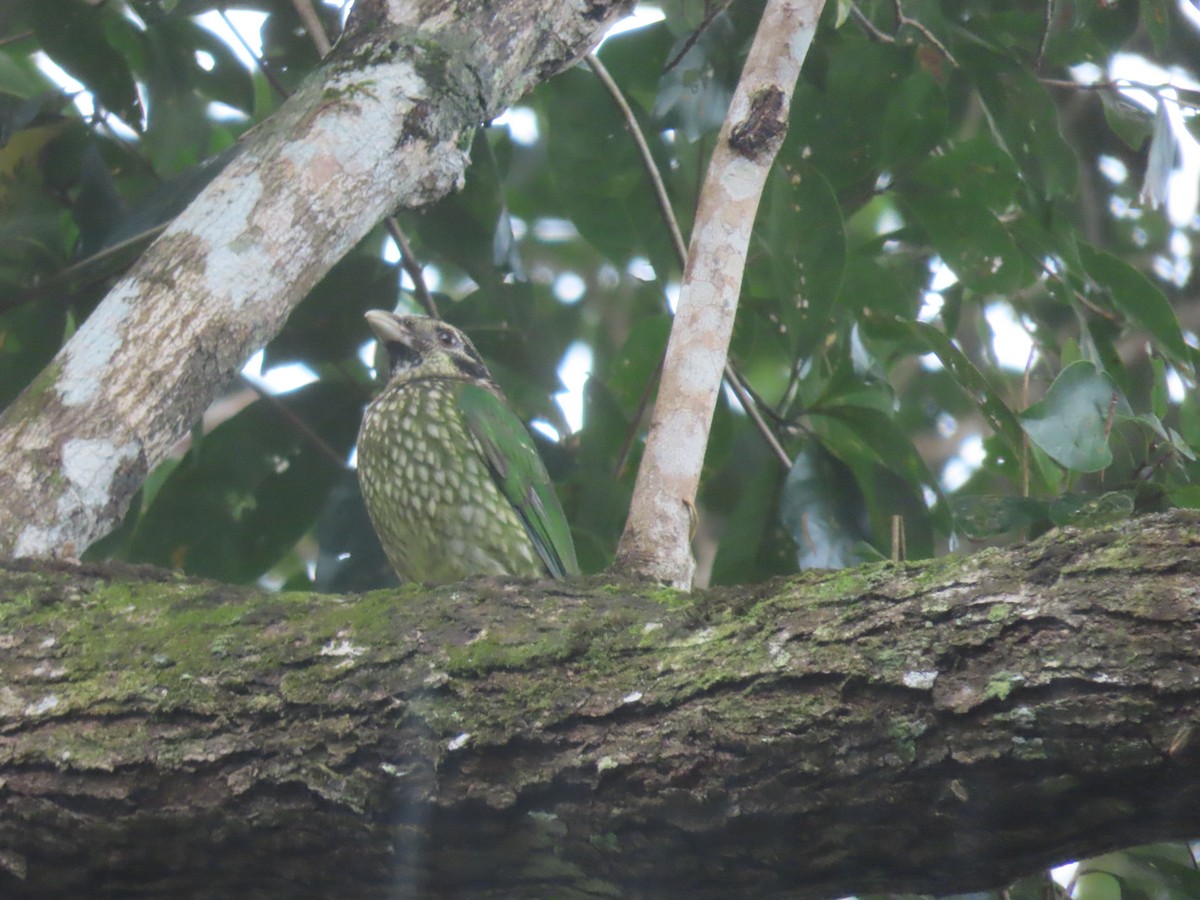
(421, 347)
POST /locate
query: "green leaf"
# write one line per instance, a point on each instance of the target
(249, 490)
(596, 495)
(1156, 16)
(695, 93)
(824, 511)
(1025, 119)
(1139, 299)
(877, 466)
(746, 533)
(286, 47)
(635, 60)
(98, 207)
(887, 441)
(328, 326)
(799, 254)
(976, 170)
(1153, 871)
(632, 376)
(971, 240)
(915, 121)
(836, 123)
(1128, 120)
(462, 227)
(1096, 886)
(968, 377)
(350, 558)
(72, 33)
(522, 332)
(1185, 496)
(880, 286)
(981, 517)
(1072, 422)
(30, 335)
(227, 81)
(958, 198)
(600, 177)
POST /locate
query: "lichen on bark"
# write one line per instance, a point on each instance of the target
(501, 738)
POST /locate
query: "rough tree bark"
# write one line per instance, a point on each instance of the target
(386, 122)
(936, 726)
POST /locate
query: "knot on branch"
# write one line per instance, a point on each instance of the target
(764, 125)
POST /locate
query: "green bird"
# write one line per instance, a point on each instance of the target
(450, 475)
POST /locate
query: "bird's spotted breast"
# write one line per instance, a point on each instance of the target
(432, 499)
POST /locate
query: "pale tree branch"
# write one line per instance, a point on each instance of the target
(732, 376)
(312, 24)
(656, 541)
(384, 124)
(316, 33)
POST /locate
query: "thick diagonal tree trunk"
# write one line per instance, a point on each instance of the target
(939, 726)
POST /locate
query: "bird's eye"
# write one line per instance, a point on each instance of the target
(447, 338)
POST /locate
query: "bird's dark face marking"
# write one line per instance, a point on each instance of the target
(400, 357)
(463, 353)
(421, 347)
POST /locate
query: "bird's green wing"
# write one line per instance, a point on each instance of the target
(521, 476)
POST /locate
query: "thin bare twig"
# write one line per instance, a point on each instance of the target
(1047, 21)
(635, 131)
(899, 541)
(664, 204)
(902, 20)
(312, 24)
(692, 38)
(275, 85)
(55, 283)
(295, 422)
(1158, 90)
(734, 378)
(873, 31)
(412, 267)
(15, 38)
(878, 34)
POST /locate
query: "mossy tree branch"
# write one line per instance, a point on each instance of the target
(939, 726)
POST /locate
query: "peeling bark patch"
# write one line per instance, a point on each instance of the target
(92, 468)
(764, 125)
(90, 465)
(100, 337)
(228, 265)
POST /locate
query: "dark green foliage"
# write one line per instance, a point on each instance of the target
(248, 491)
